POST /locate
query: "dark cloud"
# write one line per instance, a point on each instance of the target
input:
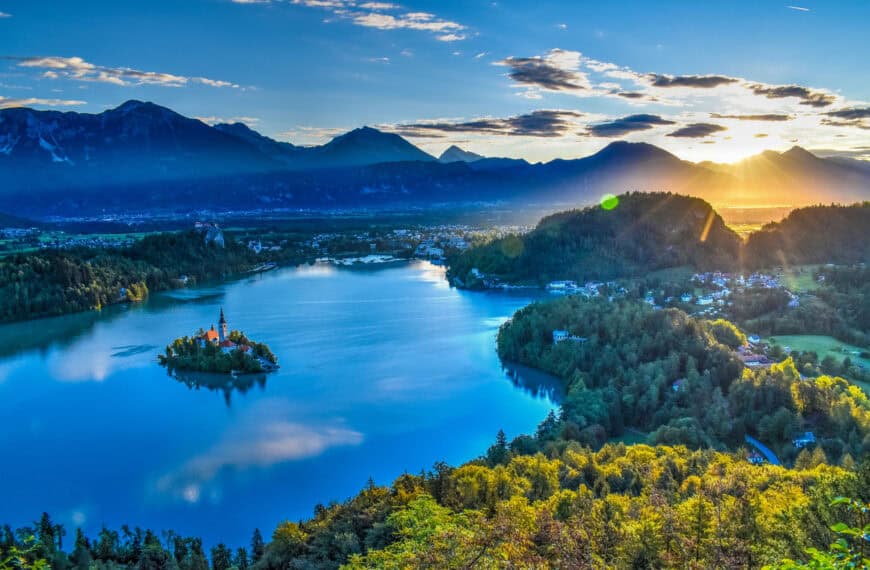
(541, 123)
(697, 130)
(698, 81)
(768, 117)
(544, 72)
(854, 117)
(631, 94)
(807, 96)
(851, 114)
(857, 123)
(625, 125)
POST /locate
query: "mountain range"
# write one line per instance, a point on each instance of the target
(144, 156)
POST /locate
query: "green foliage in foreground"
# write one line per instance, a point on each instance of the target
(188, 353)
(670, 374)
(619, 507)
(851, 550)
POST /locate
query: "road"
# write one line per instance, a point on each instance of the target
(764, 450)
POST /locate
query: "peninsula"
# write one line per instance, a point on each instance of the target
(218, 351)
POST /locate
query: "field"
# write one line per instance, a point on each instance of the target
(824, 346)
(800, 279)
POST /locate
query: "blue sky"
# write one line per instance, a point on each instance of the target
(705, 80)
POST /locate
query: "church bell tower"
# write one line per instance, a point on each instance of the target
(222, 327)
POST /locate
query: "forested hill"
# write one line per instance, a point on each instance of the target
(677, 378)
(55, 282)
(625, 236)
(817, 234)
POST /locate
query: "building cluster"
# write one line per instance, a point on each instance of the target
(211, 233)
(589, 289)
(560, 335)
(257, 246)
(18, 233)
(91, 242)
(431, 243)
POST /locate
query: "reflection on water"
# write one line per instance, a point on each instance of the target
(537, 383)
(383, 370)
(223, 383)
(262, 437)
(132, 350)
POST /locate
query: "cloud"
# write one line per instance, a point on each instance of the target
(541, 123)
(851, 114)
(450, 37)
(857, 123)
(762, 117)
(760, 135)
(697, 130)
(261, 438)
(631, 95)
(77, 69)
(381, 16)
(697, 81)
(807, 96)
(307, 135)
(798, 8)
(379, 6)
(859, 152)
(212, 120)
(625, 125)
(8, 103)
(558, 70)
(5, 15)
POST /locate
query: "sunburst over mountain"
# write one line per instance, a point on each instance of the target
(142, 149)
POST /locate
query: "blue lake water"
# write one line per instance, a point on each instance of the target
(383, 371)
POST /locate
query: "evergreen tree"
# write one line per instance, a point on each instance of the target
(258, 546)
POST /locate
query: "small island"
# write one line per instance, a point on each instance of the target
(218, 351)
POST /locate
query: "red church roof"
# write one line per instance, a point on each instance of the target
(210, 335)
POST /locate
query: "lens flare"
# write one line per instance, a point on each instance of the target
(609, 201)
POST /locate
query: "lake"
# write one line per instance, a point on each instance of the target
(383, 371)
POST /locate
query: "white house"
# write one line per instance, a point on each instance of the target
(804, 440)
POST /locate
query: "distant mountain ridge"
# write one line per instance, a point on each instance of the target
(455, 154)
(144, 156)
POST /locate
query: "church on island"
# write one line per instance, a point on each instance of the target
(218, 350)
(221, 337)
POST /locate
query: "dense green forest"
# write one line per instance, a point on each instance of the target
(677, 378)
(56, 282)
(642, 233)
(817, 234)
(190, 354)
(618, 507)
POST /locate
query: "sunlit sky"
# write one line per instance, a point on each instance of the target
(539, 80)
